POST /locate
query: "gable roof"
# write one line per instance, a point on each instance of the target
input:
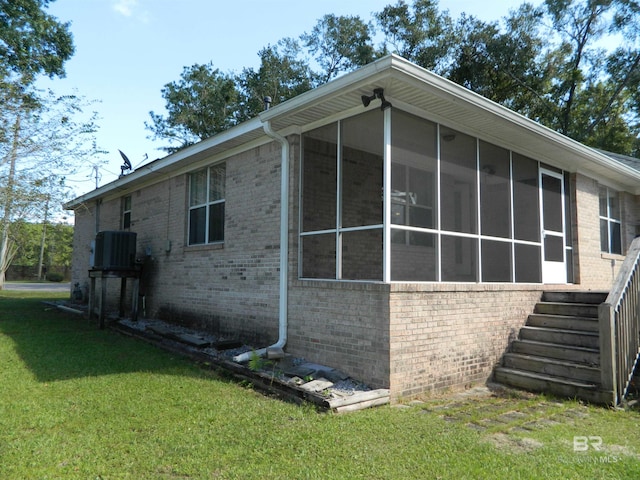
(408, 87)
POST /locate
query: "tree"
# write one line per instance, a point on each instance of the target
(34, 130)
(423, 36)
(57, 247)
(508, 67)
(340, 44)
(47, 138)
(202, 103)
(594, 90)
(282, 75)
(32, 42)
(542, 62)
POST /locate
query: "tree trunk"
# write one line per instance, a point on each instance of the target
(44, 235)
(6, 252)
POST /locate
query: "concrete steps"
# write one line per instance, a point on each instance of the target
(576, 338)
(581, 355)
(551, 366)
(557, 351)
(537, 382)
(564, 322)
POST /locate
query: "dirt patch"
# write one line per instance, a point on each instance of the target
(511, 444)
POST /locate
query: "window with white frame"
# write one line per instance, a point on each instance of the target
(126, 212)
(206, 205)
(610, 223)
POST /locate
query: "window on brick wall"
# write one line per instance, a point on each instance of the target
(610, 224)
(126, 212)
(206, 205)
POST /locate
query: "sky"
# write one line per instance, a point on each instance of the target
(127, 50)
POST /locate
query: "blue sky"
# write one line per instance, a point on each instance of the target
(127, 50)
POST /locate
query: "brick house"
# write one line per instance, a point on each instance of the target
(390, 223)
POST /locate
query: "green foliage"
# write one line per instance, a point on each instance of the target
(32, 42)
(339, 44)
(424, 35)
(282, 75)
(543, 62)
(202, 103)
(256, 362)
(57, 247)
(45, 137)
(55, 277)
(79, 402)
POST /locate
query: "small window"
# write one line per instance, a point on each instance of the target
(126, 212)
(206, 205)
(610, 223)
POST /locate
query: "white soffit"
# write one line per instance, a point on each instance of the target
(454, 106)
(407, 84)
(243, 136)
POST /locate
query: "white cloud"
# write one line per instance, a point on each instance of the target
(131, 9)
(125, 7)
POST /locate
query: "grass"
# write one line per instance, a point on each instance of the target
(77, 402)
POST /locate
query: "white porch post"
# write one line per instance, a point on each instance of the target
(386, 189)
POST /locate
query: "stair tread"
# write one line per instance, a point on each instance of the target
(572, 304)
(562, 330)
(591, 298)
(548, 378)
(557, 315)
(550, 360)
(550, 344)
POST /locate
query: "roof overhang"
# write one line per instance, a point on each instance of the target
(239, 138)
(408, 87)
(412, 88)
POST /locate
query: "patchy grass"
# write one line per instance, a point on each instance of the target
(77, 402)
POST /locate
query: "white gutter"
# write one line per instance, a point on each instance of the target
(284, 249)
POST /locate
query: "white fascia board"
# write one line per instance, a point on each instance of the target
(364, 74)
(391, 66)
(475, 100)
(164, 167)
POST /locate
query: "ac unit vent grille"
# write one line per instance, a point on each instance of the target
(115, 250)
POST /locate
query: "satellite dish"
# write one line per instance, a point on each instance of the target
(127, 164)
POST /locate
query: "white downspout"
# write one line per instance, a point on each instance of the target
(284, 248)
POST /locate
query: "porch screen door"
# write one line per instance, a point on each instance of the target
(552, 222)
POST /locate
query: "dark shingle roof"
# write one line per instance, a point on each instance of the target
(632, 162)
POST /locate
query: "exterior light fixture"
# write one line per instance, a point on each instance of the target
(377, 93)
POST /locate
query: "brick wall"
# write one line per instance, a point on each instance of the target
(448, 337)
(232, 288)
(630, 212)
(83, 233)
(596, 270)
(412, 338)
(343, 325)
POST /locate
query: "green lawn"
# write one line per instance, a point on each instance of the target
(77, 402)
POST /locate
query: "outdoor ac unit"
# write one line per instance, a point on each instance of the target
(115, 250)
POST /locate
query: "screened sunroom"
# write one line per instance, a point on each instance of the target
(388, 196)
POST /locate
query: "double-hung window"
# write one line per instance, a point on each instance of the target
(206, 205)
(610, 224)
(126, 212)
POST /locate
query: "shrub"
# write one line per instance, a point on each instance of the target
(55, 277)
